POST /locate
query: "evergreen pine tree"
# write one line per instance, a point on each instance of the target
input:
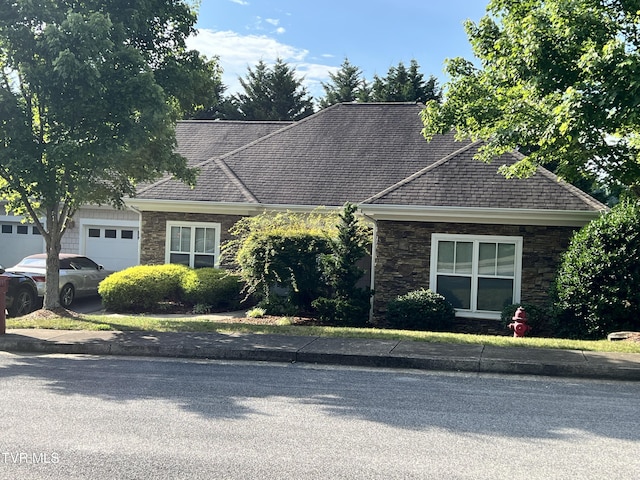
(405, 85)
(346, 85)
(271, 94)
(346, 304)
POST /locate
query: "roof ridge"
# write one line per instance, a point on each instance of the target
(234, 178)
(357, 103)
(419, 173)
(165, 179)
(203, 163)
(223, 122)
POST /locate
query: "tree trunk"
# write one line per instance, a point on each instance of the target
(54, 245)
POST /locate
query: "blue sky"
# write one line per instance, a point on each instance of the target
(315, 37)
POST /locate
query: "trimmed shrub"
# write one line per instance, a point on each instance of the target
(149, 287)
(277, 256)
(597, 289)
(142, 288)
(538, 318)
(217, 289)
(420, 310)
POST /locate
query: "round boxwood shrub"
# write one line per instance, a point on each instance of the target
(142, 288)
(213, 288)
(420, 310)
(597, 289)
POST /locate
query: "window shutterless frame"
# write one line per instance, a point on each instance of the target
(478, 274)
(195, 244)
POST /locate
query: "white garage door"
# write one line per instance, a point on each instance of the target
(116, 248)
(17, 240)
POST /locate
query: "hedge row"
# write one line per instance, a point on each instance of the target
(154, 287)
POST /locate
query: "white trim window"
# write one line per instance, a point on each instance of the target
(193, 244)
(478, 275)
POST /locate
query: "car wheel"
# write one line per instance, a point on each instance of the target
(23, 303)
(66, 295)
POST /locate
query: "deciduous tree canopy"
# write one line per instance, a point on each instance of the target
(558, 80)
(89, 93)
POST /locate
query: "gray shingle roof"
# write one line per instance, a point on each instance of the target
(200, 140)
(368, 152)
(203, 140)
(460, 181)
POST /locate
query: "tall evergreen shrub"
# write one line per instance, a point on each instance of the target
(597, 289)
(346, 303)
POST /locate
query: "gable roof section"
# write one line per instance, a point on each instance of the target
(347, 152)
(458, 180)
(368, 153)
(202, 142)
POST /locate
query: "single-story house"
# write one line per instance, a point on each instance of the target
(441, 219)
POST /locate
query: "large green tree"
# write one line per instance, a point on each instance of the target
(346, 85)
(405, 85)
(89, 95)
(558, 80)
(272, 93)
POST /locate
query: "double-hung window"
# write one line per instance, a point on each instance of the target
(193, 244)
(478, 275)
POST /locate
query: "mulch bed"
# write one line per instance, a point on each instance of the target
(635, 337)
(56, 312)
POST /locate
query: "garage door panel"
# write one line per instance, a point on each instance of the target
(17, 240)
(115, 248)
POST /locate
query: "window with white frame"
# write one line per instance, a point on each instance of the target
(194, 244)
(478, 275)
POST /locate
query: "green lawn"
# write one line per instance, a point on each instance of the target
(203, 324)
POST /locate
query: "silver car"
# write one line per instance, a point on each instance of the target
(79, 275)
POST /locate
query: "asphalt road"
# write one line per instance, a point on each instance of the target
(81, 417)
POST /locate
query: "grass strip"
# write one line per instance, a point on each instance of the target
(203, 324)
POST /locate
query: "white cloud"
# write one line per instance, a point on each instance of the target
(238, 52)
(240, 2)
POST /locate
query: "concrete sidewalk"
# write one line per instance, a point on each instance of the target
(323, 350)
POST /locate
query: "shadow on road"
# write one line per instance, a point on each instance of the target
(515, 407)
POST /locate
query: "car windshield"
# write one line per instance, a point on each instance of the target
(33, 262)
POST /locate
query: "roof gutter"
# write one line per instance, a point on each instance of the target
(508, 216)
(504, 216)
(185, 206)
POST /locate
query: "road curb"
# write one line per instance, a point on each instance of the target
(474, 364)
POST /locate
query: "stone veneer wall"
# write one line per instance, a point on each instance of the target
(154, 229)
(404, 252)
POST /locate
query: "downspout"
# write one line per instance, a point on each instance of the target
(134, 209)
(374, 249)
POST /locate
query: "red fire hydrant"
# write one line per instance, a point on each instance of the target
(519, 324)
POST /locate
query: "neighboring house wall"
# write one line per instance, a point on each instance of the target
(17, 240)
(404, 252)
(154, 231)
